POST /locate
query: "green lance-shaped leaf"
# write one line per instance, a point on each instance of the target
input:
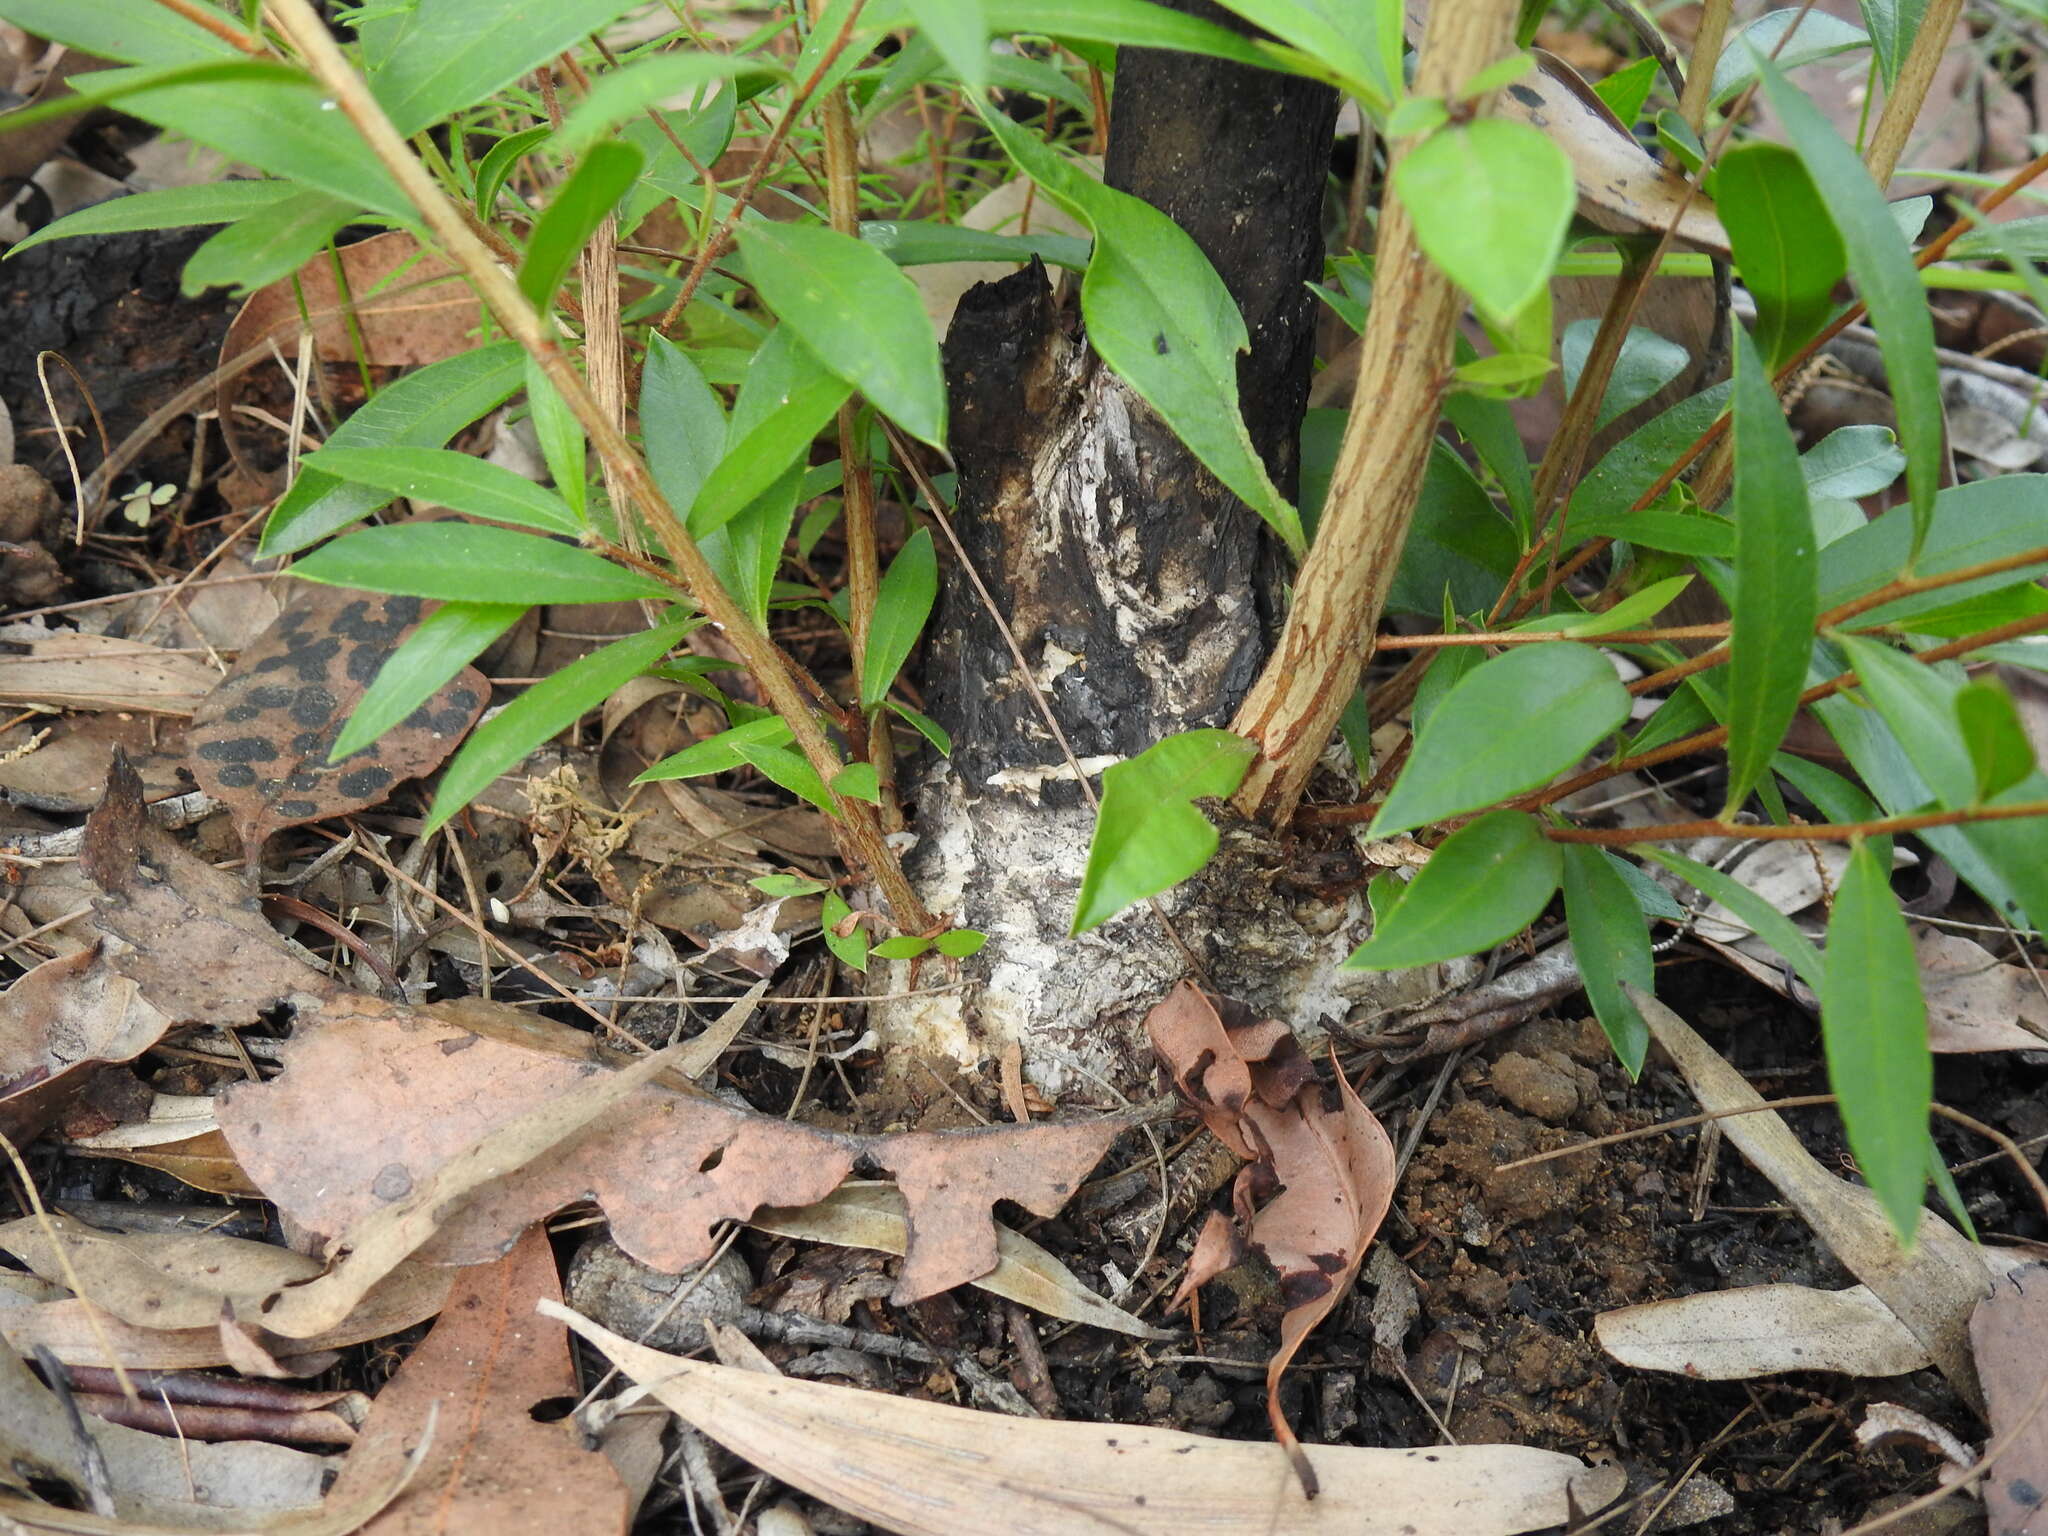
(1612, 944)
(682, 422)
(544, 710)
(423, 409)
(473, 563)
(959, 30)
(721, 753)
(560, 436)
(213, 202)
(856, 310)
(902, 604)
(851, 947)
(451, 54)
(282, 123)
(603, 176)
(1490, 201)
(1360, 41)
(1893, 25)
(266, 246)
(1785, 244)
(620, 95)
(446, 641)
(1851, 462)
(746, 552)
(1814, 35)
(1486, 884)
(1562, 697)
(2000, 752)
(925, 242)
(1882, 264)
(1647, 363)
(1776, 587)
(1161, 318)
(1918, 703)
(785, 400)
(1874, 1026)
(1149, 834)
(131, 32)
(1750, 909)
(449, 479)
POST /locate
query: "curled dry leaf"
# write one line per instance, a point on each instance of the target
(259, 741)
(2009, 1331)
(490, 1466)
(462, 1119)
(1333, 1166)
(59, 1024)
(1975, 1003)
(934, 1470)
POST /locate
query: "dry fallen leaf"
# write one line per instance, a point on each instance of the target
(1762, 1330)
(2009, 1331)
(59, 1024)
(73, 671)
(492, 1466)
(1931, 1289)
(1332, 1167)
(259, 741)
(1975, 1002)
(868, 1214)
(930, 1469)
(453, 1113)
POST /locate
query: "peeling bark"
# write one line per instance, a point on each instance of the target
(1132, 581)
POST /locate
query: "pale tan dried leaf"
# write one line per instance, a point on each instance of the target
(155, 1279)
(1758, 1330)
(1218, 1247)
(59, 1024)
(1975, 1002)
(1931, 1290)
(700, 1054)
(74, 671)
(492, 1467)
(79, 1334)
(934, 1470)
(866, 1213)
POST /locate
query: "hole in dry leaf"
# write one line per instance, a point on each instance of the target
(711, 1159)
(552, 1410)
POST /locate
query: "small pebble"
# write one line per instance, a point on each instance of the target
(1535, 1087)
(611, 1288)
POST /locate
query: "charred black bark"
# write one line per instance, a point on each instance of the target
(1129, 574)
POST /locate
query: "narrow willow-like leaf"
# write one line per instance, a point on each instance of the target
(746, 552)
(1562, 697)
(423, 409)
(560, 436)
(1485, 884)
(1612, 944)
(1892, 24)
(1873, 1024)
(1785, 243)
(1647, 363)
(859, 314)
(785, 400)
(1771, 634)
(1161, 318)
(2000, 752)
(266, 246)
(130, 32)
(959, 30)
(1918, 703)
(621, 95)
(1852, 461)
(1360, 39)
(1149, 834)
(213, 202)
(452, 54)
(473, 563)
(1769, 924)
(446, 478)
(1815, 35)
(446, 641)
(1882, 264)
(603, 176)
(548, 707)
(917, 243)
(720, 753)
(902, 604)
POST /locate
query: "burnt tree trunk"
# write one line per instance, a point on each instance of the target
(1137, 588)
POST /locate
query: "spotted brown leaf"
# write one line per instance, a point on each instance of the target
(259, 741)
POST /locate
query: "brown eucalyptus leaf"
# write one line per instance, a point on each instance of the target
(2009, 1332)
(259, 741)
(451, 1129)
(59, 1025)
